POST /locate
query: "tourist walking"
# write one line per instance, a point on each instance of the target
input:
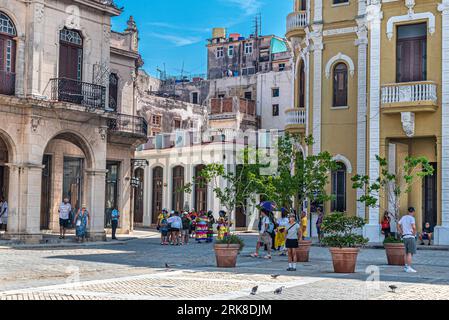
(65, 209)
(294, 235)
(319, 222)
(281, 232)
(175, 223)
(3, 214)
(81, 221)
(163, 228)
(115, 216)
(407, 228)
(386, 225)
(266, 225)
(185, 233)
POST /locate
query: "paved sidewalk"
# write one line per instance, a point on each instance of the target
(136, 270)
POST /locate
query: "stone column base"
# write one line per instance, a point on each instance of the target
(441, 236)
(96, 236)
(147, 221)
(23, 238)
(373, 233)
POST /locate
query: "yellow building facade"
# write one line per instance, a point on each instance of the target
(372, 78)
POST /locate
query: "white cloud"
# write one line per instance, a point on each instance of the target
(178, 41)
(249, 7)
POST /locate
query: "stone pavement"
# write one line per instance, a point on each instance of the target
(135, 269)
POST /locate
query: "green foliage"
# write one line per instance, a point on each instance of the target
(232, 239)
(298, 176)
(392, 186)
(392, 239)
(339, 231)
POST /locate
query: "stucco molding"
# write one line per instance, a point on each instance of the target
(411, 16)
(408, 123)
(340, 57)
(345, 161)
(335, 32)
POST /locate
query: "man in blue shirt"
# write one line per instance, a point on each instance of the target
(115, 215)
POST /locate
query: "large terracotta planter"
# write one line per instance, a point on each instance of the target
(226, 255)
(395, 254)
(344, 259)
(302, 253)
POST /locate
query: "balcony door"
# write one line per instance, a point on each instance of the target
(7, 55)
(430, 198)
(411, 53)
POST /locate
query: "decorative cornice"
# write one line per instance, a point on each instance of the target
(410, 17)
(334, 32)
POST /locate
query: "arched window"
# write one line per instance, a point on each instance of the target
(158, 191)
(7, 55)
(70, 54)
(339, 188)
(340, 85)
(177, 185)
(302, 86)
(113, 91)
(200, 190)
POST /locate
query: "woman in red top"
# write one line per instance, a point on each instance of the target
(386, 228)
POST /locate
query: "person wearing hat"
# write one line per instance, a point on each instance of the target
(81, 221)
(223, 225)
(266, 227)
(210, 224)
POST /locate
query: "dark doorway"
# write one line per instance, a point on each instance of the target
(138, 196)
(200, 190)
(178, 193)
(73, 181)
(46, 192)
(430, 195)
(112, 183)
(158, 189)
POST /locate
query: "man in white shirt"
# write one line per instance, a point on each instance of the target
(3, 213)
(407, 228)
(64, 217)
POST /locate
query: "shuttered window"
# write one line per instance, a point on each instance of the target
(70, 54)
(339, 189)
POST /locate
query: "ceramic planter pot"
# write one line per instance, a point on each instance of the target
(226, 255)
(302, 253)
(344, 259)
(395, 254)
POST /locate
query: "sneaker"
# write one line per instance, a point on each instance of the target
(290, 269)
(268, 257)
(255, 255)
(411, 270)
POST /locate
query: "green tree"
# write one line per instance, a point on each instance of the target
(390, 187)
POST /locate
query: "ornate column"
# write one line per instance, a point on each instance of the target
(362, 44)
(442, 232)
(96, 203)
(317, 48)
(148, 197)
(374, 17)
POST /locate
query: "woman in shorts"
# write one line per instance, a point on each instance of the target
(292, 241)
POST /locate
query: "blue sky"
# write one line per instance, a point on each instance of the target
(174, 32)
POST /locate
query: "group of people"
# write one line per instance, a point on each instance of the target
(3, 214)
(177, 228)
(80, 220)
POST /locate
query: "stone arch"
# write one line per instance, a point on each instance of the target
(15, 21)
(345, 161)
(337, 58)
(10, 146)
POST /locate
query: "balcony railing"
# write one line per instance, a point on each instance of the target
(89, 95)
(296, 117)
(297, 20)
(233, 105)
(413, 92)
(7, 83)
(124, 123)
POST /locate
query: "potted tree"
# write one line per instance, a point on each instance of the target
(299, 178)
(392, 187)
(343, 242)
(227, 250)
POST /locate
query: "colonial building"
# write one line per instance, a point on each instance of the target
(371, 79)
(68, 114)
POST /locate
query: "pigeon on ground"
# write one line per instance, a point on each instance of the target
(393, 288)
(254, 291)
(275, 276)
(279, 290)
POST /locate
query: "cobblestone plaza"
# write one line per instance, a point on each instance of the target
(134, 269)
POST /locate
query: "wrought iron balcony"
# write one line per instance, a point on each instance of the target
(410, 97)
(89, 95)
(296, 22)
(296, 120)
(124, 123)
(7, 83)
